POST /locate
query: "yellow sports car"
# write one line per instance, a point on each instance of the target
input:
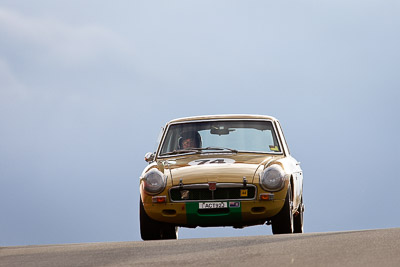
(221, 170)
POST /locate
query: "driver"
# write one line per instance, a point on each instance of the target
(190, 140)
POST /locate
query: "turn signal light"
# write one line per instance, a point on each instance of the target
(266, 196)
(159, 199)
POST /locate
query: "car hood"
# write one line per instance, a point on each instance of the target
(220, 168)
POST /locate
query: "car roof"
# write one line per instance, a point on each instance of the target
(222, 116)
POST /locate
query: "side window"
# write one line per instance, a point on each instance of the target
(283, 136)
(160, 135)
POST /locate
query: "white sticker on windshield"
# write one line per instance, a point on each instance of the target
(211, 161)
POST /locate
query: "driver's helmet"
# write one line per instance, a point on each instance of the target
(194, 135)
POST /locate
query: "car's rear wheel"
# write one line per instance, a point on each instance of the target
(282, 223)
(298, 219)
(154, 230)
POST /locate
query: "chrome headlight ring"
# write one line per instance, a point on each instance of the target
(154, 181)
(272, 178)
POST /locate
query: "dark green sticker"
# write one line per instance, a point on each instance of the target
(230, 215)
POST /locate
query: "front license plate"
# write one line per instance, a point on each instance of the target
(213, 205)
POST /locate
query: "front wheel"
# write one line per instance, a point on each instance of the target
(154, 230)
(282, 223)
(298, 219)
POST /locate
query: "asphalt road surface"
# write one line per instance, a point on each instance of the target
(352, 248)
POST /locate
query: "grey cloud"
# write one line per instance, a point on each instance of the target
(54, 40)
(10, 87)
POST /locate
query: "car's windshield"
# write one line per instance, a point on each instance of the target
(229, 135)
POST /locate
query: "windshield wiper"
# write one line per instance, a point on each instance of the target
(216, 148)
(180, 151)
(199, 150)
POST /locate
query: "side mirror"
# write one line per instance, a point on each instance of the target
(149, 157)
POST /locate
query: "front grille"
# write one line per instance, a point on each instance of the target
(202, 192)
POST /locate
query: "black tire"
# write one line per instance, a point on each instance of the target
(169, 231)
(298, 219)
(283, 223)
(154, 230)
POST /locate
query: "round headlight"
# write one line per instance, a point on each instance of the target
(272, 178)
(154, 181)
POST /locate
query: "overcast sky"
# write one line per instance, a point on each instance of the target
(85, 87)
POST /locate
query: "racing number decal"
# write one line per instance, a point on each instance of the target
(201, 161)
(218, 161)
(211, 161)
